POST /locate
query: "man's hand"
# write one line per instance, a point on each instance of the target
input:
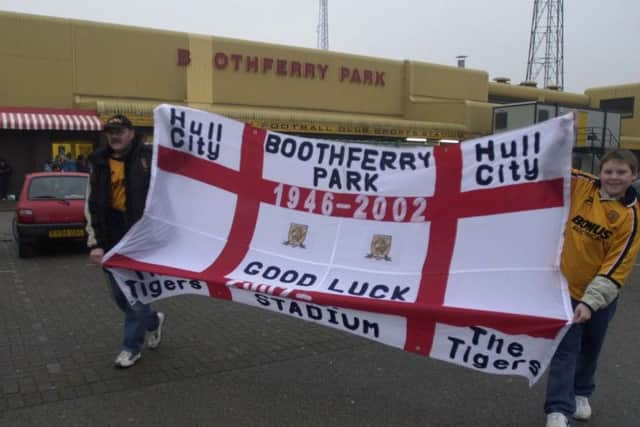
(96, 255)
(582, 313)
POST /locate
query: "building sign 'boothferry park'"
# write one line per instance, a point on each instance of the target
(287, 68)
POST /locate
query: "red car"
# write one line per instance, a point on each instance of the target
(50, 208)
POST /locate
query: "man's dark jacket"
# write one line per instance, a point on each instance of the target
(105, 226)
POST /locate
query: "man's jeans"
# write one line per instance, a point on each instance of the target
(573, 366)
(138, 318)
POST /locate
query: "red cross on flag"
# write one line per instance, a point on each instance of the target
(449, 251)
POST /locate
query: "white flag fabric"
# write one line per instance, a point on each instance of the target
(449, 251)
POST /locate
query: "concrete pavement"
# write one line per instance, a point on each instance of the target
(225, 364)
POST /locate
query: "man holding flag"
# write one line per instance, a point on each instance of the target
(119, 182)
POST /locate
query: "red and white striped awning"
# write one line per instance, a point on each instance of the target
(49, 119)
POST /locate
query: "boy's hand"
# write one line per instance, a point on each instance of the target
(581, 314)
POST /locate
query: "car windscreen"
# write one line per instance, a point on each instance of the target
(58, 187)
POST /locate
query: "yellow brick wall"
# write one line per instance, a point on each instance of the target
(36, 62)
(115, 61)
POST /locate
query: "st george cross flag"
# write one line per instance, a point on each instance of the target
(449, 251)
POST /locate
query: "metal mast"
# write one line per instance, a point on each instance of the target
(546, 46)
(323, 26)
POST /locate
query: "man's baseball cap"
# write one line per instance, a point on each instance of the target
(118, 121)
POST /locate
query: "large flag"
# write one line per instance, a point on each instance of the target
(449, 251)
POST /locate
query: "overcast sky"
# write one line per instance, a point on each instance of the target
(600, 40)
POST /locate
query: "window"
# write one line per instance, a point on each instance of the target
(506, 100)
(58, 187)
(576, 162)
(623, 106)
(501, 120)
(543, 115)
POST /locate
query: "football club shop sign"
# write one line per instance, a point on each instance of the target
(450, 251)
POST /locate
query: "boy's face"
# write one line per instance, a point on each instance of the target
(616, 176)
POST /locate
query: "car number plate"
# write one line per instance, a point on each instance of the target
(66, 232)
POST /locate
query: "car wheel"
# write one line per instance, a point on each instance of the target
(14, 228)
(25, 250)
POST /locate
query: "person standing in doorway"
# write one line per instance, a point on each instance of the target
(5, 175)
(119, 182)
(68, 164)
(82, 163)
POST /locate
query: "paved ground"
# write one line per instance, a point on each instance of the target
(225, 364)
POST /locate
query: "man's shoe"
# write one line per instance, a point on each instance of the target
(153, 338)
(583, 409)
(557, 419)
(127, 359)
